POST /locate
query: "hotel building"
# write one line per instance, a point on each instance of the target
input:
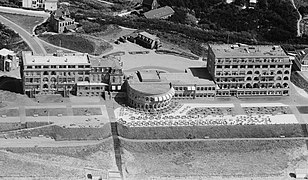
(242, 70)
(65, 73)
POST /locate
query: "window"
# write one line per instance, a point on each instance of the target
(37, 67)
(53, 66)
(242, 66)
(62, 66)
(80, 66)
(250, 66)
(257, 66)
(234, 66)
(227, 66)
(280, 66)
(272, 66)
(219, 66)
(45, 67)
(265, 66)
(29, 67)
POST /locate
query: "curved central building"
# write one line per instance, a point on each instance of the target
(146, 91)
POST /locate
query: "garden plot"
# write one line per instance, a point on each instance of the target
(38, 111)
(87, 111)
(9, 112)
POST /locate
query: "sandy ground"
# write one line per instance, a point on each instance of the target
(49, 163)
(213, 161)
(42, 142)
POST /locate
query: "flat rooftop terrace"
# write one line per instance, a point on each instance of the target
(238, 50)
(67, 59)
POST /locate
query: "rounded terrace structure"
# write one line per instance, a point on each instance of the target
(149, 96)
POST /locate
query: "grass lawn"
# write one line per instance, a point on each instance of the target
(26, 22)
(85, 111)
(212, 158)
(302, 109)
(57, 111)
(46, 111)
(72, 42)
(39, 112)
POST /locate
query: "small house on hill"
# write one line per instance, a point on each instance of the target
(61, 21)
(148, 40)
(149, 4)
(160, 13)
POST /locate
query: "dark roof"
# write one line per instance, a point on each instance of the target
(62, 11)
(159, 13)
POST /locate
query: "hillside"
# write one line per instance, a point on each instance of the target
(11, 40)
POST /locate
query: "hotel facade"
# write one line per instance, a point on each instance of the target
(69, 73)
(241, 70)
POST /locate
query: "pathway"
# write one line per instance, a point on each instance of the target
(299, 20)
(32, 41)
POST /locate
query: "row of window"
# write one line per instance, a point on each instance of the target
(251, 60)
(66, 23)
(180, 95)
(46, 87)
(285, 92)
(58, 67)
(61, 73)
(91, 88)
(253, 66)
(278, 78)
(254, 85)
(197, 88)
(149, 106)
(234, 73)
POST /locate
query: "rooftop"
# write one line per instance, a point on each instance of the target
(159, 13)
(242, 50)
(62, 11)
(65, 59)
(148, 35)
(184, 79)
(148, 76)
(151, 88)
(151, 82)
(5, 52)
(105, 62)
